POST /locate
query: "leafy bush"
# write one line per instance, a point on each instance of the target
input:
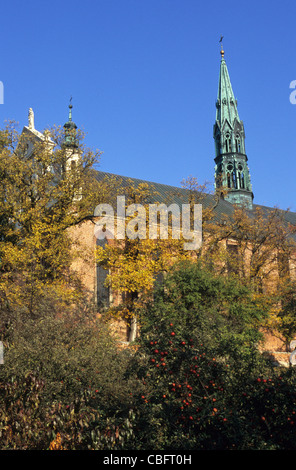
(28, 423)
(203, 375)
(196, 380)
(64, 375)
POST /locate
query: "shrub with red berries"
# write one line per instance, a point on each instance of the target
(207, 386)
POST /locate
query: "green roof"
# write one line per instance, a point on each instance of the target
(163, 193)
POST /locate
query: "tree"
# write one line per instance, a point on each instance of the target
(136, 262)
(258, 247)
(46, 187)
(206, 385)
(64, 377)
(286, 309)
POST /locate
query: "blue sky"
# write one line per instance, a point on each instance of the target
(143, 75)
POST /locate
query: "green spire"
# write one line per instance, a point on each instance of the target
(231, 170)
(70, 129)
(226, 102)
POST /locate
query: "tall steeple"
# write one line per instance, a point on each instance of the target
(231, 170)
(70, 130)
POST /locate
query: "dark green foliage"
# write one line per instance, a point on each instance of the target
(287, 300)
(196, 381)
(64, 375)
(199, 362)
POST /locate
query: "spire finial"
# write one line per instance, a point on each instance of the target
(70, 129)
(222, 50)
(70, 109)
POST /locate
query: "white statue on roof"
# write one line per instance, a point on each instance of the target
(31, 119)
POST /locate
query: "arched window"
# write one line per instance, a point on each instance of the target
(103, 292)
(232, 258)
(239, 180)
(243, 181)
(228, 180)
(227, 142)
(237, 143)
(234, 179)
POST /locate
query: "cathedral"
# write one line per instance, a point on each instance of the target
(231, 173)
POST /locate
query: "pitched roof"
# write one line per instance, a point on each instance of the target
(163, 193)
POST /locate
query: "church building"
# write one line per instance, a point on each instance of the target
(232, 178)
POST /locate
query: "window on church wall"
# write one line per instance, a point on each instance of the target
(283, 265)
(232, 259)
(103, 292)
(284, 273)
(228, 180)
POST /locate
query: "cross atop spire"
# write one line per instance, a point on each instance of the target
(222, 51)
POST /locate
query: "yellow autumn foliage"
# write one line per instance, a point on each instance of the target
(42, 195)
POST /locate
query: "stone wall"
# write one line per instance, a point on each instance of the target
(84, 239)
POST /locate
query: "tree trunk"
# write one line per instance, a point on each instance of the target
(133, 329)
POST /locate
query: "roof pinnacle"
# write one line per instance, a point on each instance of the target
(70, 109)
(70, 129)
(222, 50)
